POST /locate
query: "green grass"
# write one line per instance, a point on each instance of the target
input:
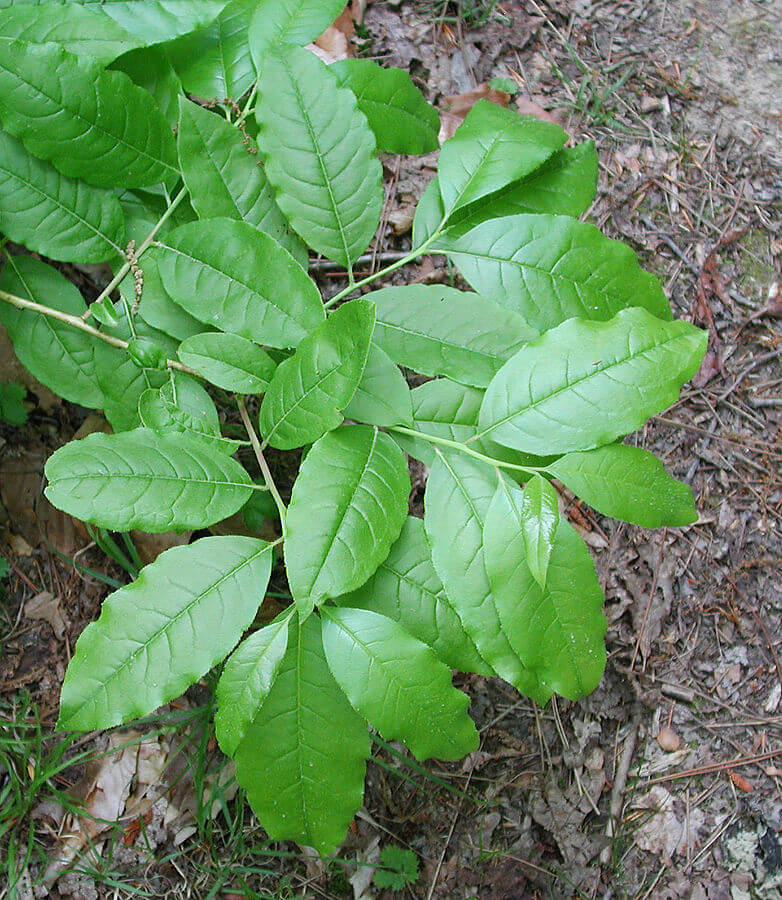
(468, 13)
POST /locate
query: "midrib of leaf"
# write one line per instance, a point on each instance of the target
(343, 511)
(598, 370)
(481, 162)
(188, 422)
(103, 685)
(231, 279)
(303, 779)
(297, 403)
(578, 287)
(316, 144)
(60, 205)
(212, 159)
(91, 125)
(565, 642)
(246, 694)
(384, 108)
(438, 340)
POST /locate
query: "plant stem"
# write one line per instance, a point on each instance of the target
(78, 322)
(433, 439)
(265, 470)
(410, 257)
(142, 248)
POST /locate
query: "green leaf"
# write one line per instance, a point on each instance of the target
(584, 384)
(279, 22)
(627, 483)
(347, 508)
(397, 683)
(400, 868)
(382, 396)
(140, 479)
(154, 21)
(54, 215)
(557, 632)
(319, 154)
(240, 280)
(303, 759)
(54, 352)
(150, 68)
(402, 120)
(564, 185)
(120, 380)
(158, 635)
(437, 330)
(225, 177)
(491, 148)
(406, 588)
(12, 408)
(309, 390)
(246, 681)
(458, 494)
(159, 310)
(429, 214)
(215, 61)
(538, 515)
(182, 406)
(229, 361)
(552, 268)
(79, 29)
(70, 110)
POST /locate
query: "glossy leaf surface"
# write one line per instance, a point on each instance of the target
(319, 155)
(347, 507)
(140, 479)
(70, 110)
(309, 390)
(303, 759)
(382, 396)
(397, 683)
(585, 384)
(627, 483)
(149, 646)
(279, 22)
(539, 510)
(229, 361)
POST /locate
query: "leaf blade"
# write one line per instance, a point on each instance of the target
(229, 361)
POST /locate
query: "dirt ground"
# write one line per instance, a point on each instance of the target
(667, 781)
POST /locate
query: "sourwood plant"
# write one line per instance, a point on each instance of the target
(203, 153)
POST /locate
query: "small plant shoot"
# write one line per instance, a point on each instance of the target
(215, 359)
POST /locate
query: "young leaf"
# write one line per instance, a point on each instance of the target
(382, 396)
(279, 22)
(319, 154)
(397, 683)
(54, 215)
(584, 384)
(437, 330)
(215, 61)
(140, 479)
(164, 631)
(309, 390)
(153, 21)
(225, 178)
(458, 495)
(240, 280)
(538, 515)
(627, 483)
(557, 631)
(79, 29)
(402, 120)
(551, 268)
(57, 354)
(303, 759)
(491, 148)
(247, 678)
(182, 406)
(72, 111)
(120, 379)
(229, 361)
(400, 868)
(406, 588)
(347, 508)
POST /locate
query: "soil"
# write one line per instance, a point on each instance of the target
(667, 781)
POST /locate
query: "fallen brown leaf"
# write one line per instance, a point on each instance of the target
(455, 108)
(47, 607)
(528, 107)
(741, 782)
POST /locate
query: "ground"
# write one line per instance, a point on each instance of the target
(666, 782)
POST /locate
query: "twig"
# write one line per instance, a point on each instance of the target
(265, 470)
(328, 265)
(716, 767)
(620, 778)
(447, 841)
